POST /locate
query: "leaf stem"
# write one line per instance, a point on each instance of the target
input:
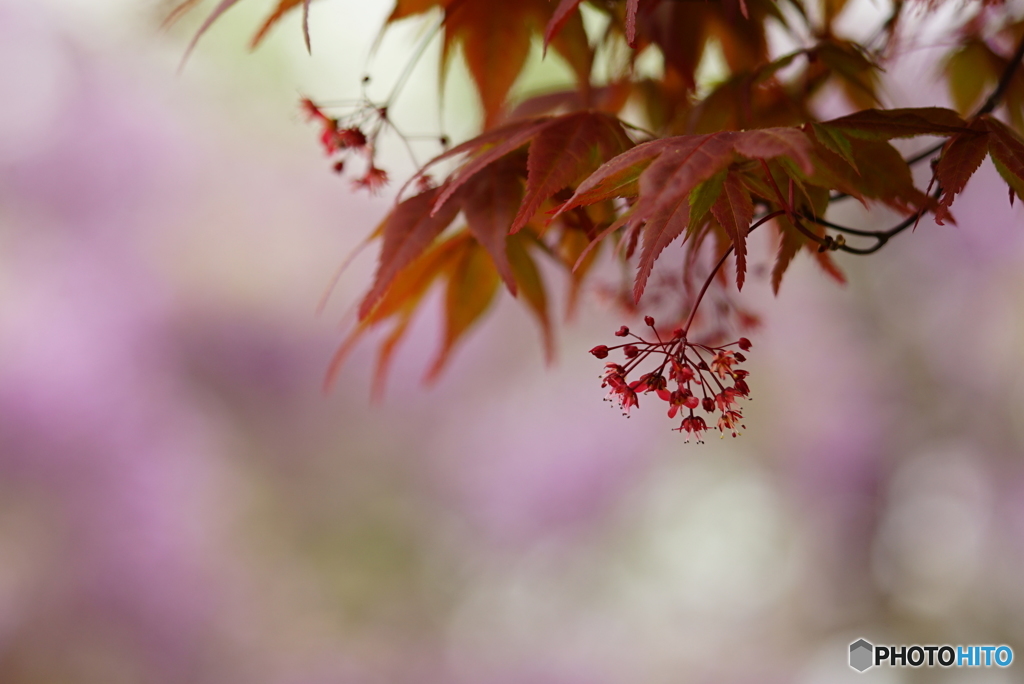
(718, 266)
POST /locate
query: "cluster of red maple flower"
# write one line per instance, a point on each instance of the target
(714, 386)
(342, 139)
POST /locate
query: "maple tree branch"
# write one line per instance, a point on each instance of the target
(881, 236)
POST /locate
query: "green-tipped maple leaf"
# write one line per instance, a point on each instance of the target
(1007, 151)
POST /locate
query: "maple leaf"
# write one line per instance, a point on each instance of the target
(734, 211)
(472, 284)
(876, 171)
(885, 124)
(488, 189)
(558, 19)
(631, 9)
(971, 70)
(399, 302)
(836, 141)
(485, 149)
(561, 150)
(857, 75)
(564, 150)
(674, 167)
(283, 7)
(961, 157)
(576, 145)
(490, 201)
(221, 7)
(791, 242)
(495, 39)
(408, 231)
(531, 287)
(1007, 152)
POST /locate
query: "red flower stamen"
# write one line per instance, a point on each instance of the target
(681, 372)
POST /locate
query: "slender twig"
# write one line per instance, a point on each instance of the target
(718, 266)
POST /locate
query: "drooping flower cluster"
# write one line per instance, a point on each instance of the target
(689, 377)
(341, 138)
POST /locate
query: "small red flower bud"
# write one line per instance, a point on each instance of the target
(631, 351)
(740, 357)
(339, 166)
(600, 351)
(709, 404)
(703, 365)
(744, 344)
(677, 333)
(649, 320)
(622, 332)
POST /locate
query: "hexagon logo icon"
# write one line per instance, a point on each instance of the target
(861, 655)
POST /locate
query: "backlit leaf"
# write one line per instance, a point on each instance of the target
(399, 302)
(836, 141)
(471, 288)
(283, 7)
(222, 7)
(734, 211)
(631, 8)
(790, 244)
(960, 159)
(1007, 152)
(495, 38)
(489, 201)
(531, 287)
(568, 148)
(970, 71)
(407, 233)
(561, 15)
